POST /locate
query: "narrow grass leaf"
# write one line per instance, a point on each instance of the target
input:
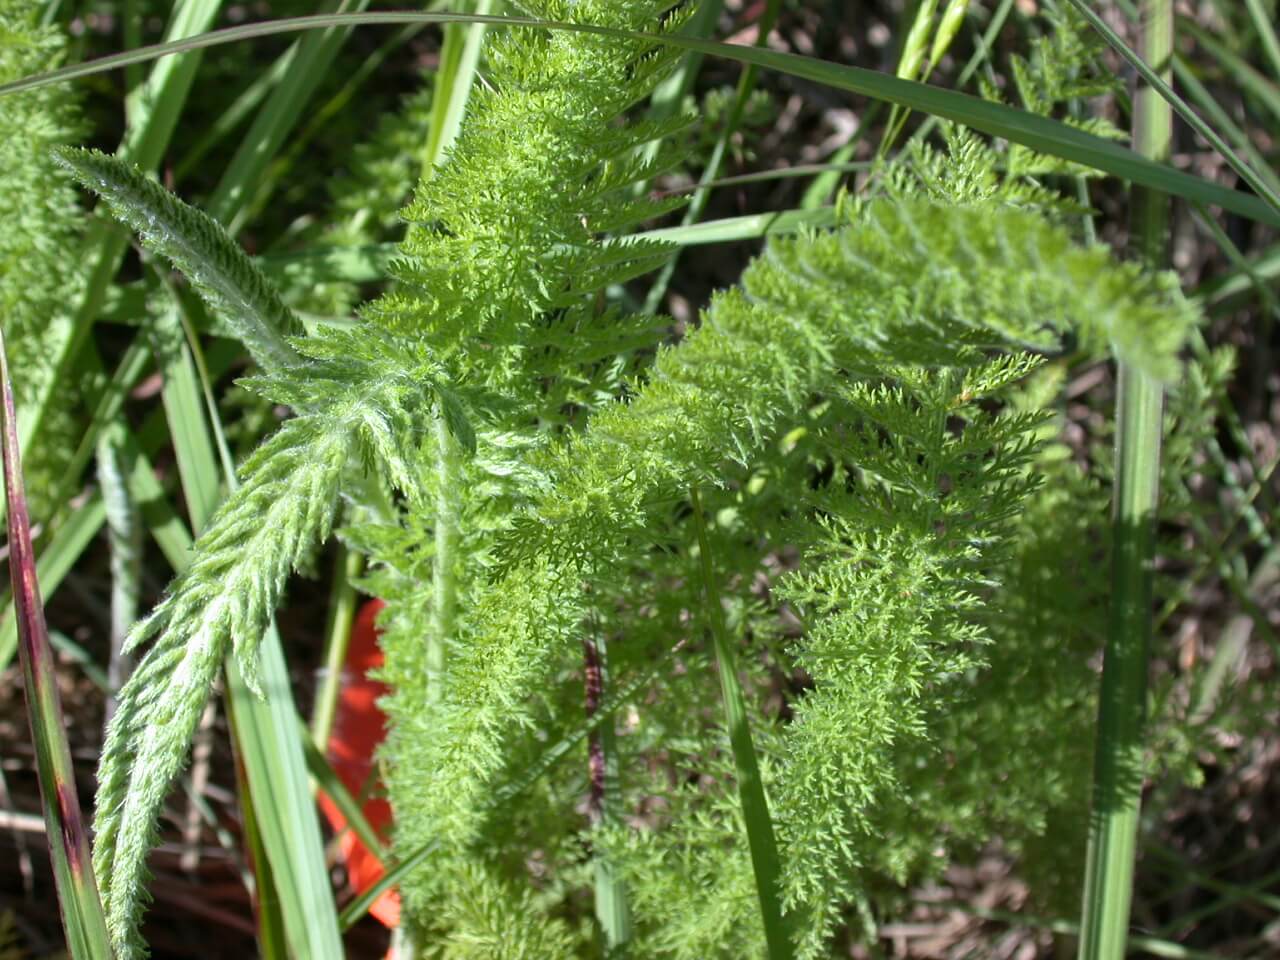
(1266, 91)
(142, 755)
(282, 111)
(151, 121)
(1202, 98)
(755, 806)
(459, 58)
(271, 749)
(230, 118)
(342, 613)
(283, 804)
(702, 195)
(124, 538)
(331, 784)
(369, 263)
(1262, 22)
(357, 908)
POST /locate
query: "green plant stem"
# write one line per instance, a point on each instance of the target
(453, 88)
(81, 907)
(342, 609)
(910, 60)
(124, 534)
(358, 907)
(444, 574)
(755, 806)
(1118, 770)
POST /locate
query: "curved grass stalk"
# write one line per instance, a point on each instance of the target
(1018, 126)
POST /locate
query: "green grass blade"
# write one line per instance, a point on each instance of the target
(755, 806)
(749, 227)
(1118, 772)
(342, 613)
(669, 96)
(315, 53)
(1266, 33)
(1223, 293)
(358, 907)
(104, 407)
(985, 44)
(156, 105)
(1158, 83)
(1153, 946)
(184, 409)
(331, 784)
(459, 58)
(320, 119)
(910, 61)
(82, 658)
(1202, 98)
(162, 520)
(702, 195)
(124, 536)
(235, 114)
(272, 942)
(81, 908)
(1250, 80)
(1119, 756)
(283, 804)
(998, 120)
(131, 31)
(369, 263)
(151, 120)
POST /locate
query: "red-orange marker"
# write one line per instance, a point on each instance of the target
(358, 727)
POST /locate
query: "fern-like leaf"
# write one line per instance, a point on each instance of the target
(39, 282)
(905, 282)
(897, 564)
(198, 246)
(227, 594)
(363, 398)
(889, 323)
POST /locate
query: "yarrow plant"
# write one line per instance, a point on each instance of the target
(801, 562)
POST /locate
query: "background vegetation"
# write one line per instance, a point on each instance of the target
(308, 150)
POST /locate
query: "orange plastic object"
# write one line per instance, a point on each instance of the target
(358, 728)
